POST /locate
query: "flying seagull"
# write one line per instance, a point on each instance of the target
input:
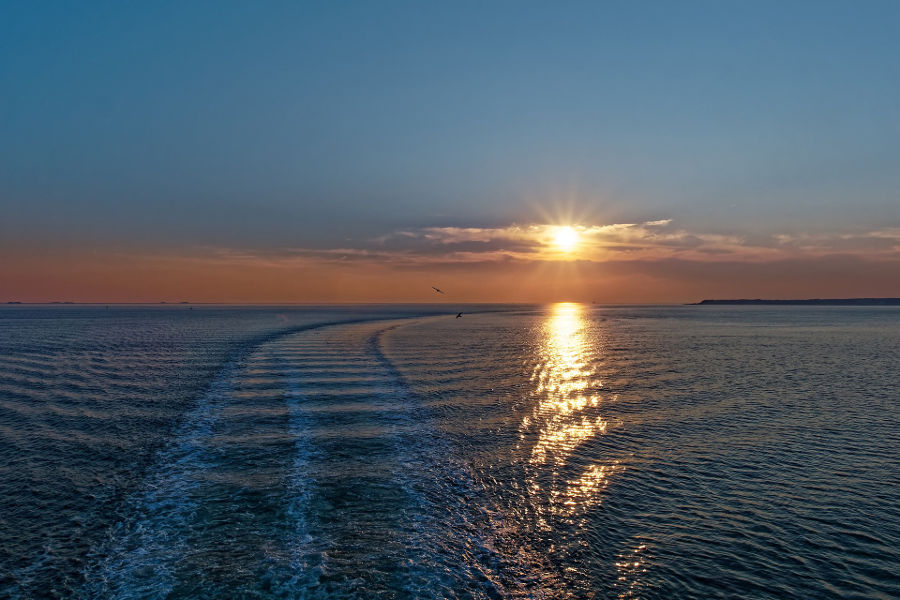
(437, 290)
(458, 315)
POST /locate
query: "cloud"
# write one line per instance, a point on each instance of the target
(656, 240)
(654, 261)
(597, 242)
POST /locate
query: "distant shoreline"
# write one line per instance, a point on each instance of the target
(807, 302)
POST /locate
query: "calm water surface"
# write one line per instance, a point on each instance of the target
(567, 451)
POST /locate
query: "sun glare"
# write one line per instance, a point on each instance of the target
(566, 238)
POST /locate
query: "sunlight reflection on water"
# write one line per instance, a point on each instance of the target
(559, 452)
(566, 416)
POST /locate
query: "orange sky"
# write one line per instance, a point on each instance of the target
(204, 276)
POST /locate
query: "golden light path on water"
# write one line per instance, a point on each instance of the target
(567, 415)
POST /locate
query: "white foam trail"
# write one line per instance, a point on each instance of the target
(452, 541)
(141, 556)
(458, 546)
(306, 557)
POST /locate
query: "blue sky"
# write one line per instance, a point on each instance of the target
(259, 126)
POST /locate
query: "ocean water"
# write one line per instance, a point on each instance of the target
(562, 451)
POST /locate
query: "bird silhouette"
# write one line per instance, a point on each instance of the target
(437, 290)
(458, 315)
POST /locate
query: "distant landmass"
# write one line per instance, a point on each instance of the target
(811, 301)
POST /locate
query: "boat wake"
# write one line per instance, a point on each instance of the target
(311, 469)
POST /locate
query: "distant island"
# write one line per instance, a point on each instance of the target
(810, 301)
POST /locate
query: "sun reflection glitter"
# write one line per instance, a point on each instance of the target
(566, 416)
(631, 565)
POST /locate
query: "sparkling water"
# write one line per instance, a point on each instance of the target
(563, 451)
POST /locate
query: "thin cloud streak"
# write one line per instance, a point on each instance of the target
(598, 243)
(653, 261)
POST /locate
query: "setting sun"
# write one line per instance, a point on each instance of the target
(566, 238)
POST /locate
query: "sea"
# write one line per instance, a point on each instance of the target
(397, 451)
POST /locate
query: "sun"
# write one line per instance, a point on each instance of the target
(566, 238)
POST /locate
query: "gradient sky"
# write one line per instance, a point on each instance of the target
(330, 151)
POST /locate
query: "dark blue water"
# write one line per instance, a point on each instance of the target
(398, 452)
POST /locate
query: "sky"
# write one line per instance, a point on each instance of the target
(285, 152)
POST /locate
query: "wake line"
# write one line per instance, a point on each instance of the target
(144, 552)
(303, 551)
(459, 544)
(318, 546)
(141, 553)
